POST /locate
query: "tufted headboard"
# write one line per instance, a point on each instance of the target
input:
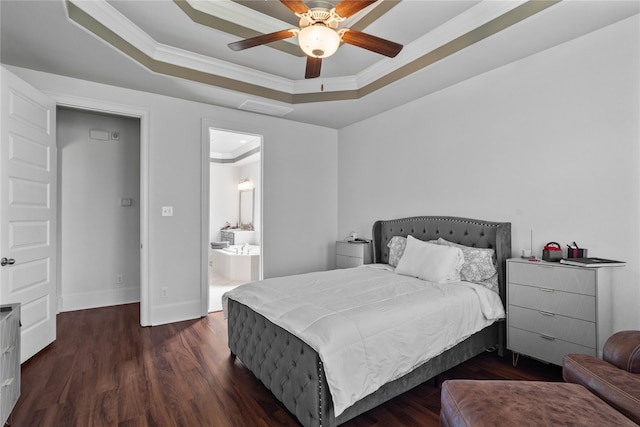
(468, 232)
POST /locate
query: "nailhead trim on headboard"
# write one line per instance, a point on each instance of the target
(475, 234)
(320, 379)
(465, 231)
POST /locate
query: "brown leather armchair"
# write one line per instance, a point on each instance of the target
(615, 378)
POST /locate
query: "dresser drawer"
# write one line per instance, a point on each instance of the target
(10, 331)
(343, 261)
(350, 249)
(9, 359)
(567, 304)
(547, 349)
(565, 328)
(561, 278)
(10, 373)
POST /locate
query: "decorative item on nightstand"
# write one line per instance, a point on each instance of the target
(573, 251)
(593, 262)
(552, 252)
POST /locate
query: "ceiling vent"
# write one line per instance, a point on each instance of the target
(100, 135)
(264, 108)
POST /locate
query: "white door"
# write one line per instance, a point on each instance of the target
(28, 209)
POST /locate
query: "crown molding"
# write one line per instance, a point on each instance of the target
(224, 16)
(462, 24)
(482, 20)
(112, 19)
(102, 13)
(230, 11)
(245, 151)
(220, 68)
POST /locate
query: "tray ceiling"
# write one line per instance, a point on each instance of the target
(179, 48)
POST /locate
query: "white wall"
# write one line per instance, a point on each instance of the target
(300, 175)
(299, 181)
(549, 143)
(223, 203)
(99, 239)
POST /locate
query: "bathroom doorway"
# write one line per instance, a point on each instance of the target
(235, 208)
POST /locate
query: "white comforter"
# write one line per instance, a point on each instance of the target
(368, 324)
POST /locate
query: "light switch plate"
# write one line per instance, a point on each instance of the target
(167, 211)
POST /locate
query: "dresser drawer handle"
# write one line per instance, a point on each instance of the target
(547, 337)
(547, 290)
(546, 313)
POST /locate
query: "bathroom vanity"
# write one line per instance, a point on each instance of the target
(238, 237)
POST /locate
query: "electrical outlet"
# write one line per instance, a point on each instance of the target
(164, 292)
(119, 279)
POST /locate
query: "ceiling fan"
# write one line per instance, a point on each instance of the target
(319, 36)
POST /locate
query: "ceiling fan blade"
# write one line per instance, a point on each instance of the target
(372, 43)
(296, 6)
(261, 39)
(313, 67)
(346, 8)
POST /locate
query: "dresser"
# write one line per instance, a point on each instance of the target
(9, 359)
(352, 254)
(554, 309)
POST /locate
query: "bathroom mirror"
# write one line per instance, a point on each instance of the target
(246, 209)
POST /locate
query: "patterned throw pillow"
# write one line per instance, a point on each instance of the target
(479, 265)
(396, 246)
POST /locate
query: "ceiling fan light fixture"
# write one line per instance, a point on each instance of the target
(318, 40)
(318, 33)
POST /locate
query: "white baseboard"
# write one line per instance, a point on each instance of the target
(82, 301)
(160, 315)
(176, 312)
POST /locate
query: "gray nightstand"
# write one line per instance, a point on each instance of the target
(352, 254)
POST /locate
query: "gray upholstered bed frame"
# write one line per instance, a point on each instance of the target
(293, 371)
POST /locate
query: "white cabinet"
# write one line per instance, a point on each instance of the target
(9, 359)
(352, 254)
(238, 237)
(555, 309)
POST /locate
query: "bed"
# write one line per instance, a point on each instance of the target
(294, 371)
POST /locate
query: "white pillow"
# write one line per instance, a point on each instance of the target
(432, 262)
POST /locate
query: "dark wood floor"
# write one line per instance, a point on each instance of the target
(106, 370)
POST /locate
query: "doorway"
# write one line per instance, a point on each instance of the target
(235, 212)
(99, 207)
